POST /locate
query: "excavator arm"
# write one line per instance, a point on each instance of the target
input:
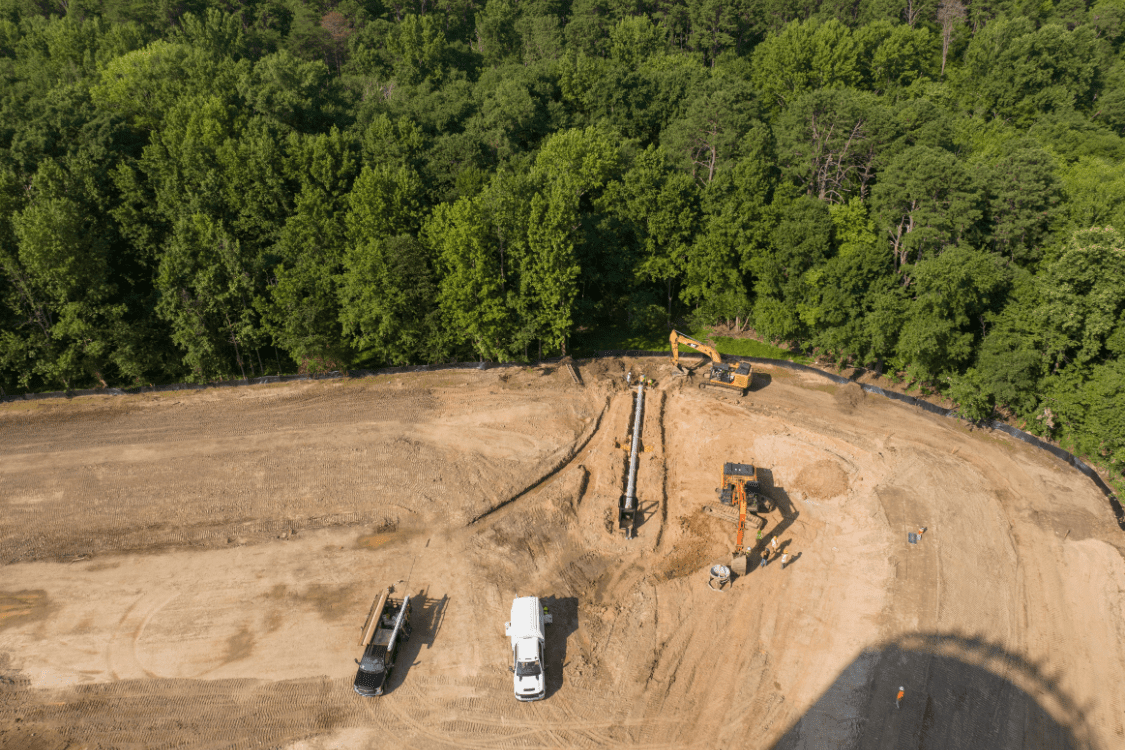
(740, 501)
(676, 339)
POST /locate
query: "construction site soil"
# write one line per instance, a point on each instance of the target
(192, 569)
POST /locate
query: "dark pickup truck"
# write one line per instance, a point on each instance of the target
(382, 637)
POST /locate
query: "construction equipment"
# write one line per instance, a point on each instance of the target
(721, 375)
(388, 625)
(740, 492)
(627, 507)
(720, 577)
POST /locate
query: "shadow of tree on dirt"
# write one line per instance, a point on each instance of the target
(961, 693)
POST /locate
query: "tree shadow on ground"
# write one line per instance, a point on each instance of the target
(961, 693)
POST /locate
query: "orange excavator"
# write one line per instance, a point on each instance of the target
(740, 491)
(740, 503)
(721, 375)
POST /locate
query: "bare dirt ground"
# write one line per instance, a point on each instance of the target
(192, 570)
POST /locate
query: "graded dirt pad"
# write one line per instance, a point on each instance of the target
(212, 468)
(193, 569)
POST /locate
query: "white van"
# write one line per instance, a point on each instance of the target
(527, 631)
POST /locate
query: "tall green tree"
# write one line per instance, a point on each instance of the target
(208, 292)
(833, 142)
(581, 163)
(661, 208)
(926, 201)
(144, 85)
(1013, 70)
(1011, 362)
(473, 295)
(552, 269)
(388, 289)
(302, 310)
(952, 293)
(800, 240)
(894, 56)
(496, 37)
(418, 49)
(736, 224)
(635, 39)
(1094, 194)
(839, 293)
(1083, 297)
(707, 139)
(1023, 196)
(803, 57)
(388, 301)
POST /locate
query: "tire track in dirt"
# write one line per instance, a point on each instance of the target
(121, 653)
(155, 713)
(566, 713)
(558, 733)
(328, 465)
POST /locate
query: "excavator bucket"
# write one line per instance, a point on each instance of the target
(710, 354)
(738, 564)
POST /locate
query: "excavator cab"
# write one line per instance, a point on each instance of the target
(739, 474)
(731, 376)
(746, 476)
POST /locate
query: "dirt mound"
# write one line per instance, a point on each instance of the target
(703, 542)
(601, 369)
(849, 396)
(823, 480)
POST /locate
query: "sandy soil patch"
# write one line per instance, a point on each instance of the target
(192, 570)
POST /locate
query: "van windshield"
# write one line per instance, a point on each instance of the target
(528, 669)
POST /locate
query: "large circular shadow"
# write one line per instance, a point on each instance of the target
(961, 693)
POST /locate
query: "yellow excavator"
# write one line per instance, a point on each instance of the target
(721, 375)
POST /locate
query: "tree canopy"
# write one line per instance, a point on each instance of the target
(202, 190)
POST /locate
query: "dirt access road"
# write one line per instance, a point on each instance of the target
(192, 569)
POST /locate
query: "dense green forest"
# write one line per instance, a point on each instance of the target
(192, 190)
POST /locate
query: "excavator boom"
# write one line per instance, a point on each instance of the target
(676, 339)
(740, 499)
(736, 378)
